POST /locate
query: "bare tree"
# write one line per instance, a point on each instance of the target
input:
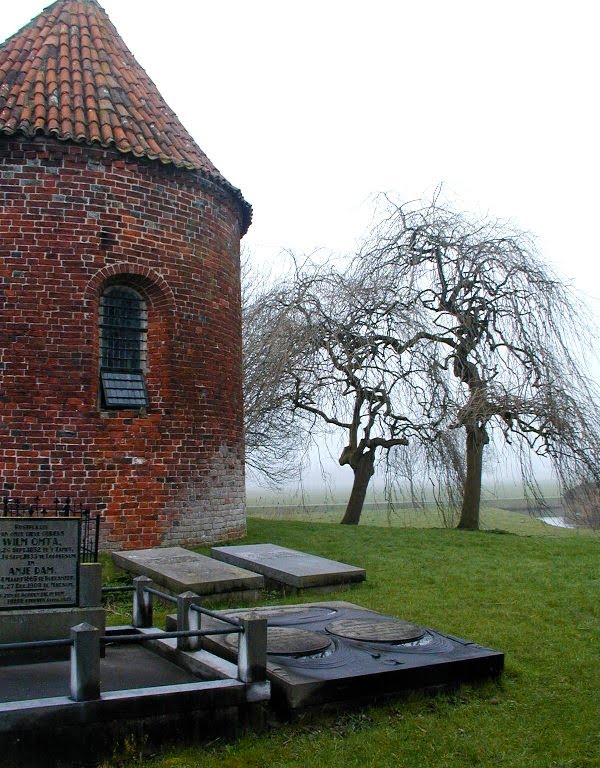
(272, 448)
(504, 336)
(349, 357)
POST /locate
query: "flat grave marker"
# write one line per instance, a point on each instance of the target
(289, 567)
(180, 570)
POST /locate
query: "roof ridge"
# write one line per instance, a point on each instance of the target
(68, 74)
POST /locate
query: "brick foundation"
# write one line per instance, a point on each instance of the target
(72, 220)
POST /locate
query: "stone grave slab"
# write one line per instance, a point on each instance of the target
(178, 570)
(289, 567)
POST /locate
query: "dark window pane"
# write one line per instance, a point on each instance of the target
(123, 328)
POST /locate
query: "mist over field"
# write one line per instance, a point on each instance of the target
(322, 480)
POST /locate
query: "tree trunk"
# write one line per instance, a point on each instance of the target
(363, 468)
(469, 514)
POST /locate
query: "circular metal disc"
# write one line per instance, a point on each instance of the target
(289, 640)
(376, 630)
(283, 641)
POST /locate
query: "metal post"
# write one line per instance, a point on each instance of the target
(187, 619)
(85, 662)
(96, 538)
(142, 602)
(252, 652)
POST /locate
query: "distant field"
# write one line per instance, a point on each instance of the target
(503, 495)
(492, 518)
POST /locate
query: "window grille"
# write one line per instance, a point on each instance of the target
(123, 329)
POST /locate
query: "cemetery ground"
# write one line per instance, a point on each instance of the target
(520, 586)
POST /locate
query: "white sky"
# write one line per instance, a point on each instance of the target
(312, 107)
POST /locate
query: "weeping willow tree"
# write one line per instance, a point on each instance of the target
(505, 338)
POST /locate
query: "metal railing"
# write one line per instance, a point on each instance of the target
(86, 641)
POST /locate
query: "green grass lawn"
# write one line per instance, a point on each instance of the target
(533, 596)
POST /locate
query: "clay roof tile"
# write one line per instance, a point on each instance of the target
(72, 50)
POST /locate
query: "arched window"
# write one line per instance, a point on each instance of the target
(123, 329)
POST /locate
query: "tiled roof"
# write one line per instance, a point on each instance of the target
(68, 74)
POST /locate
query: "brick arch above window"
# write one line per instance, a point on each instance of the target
(147, 281)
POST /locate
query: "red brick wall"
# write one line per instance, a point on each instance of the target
(71, 219)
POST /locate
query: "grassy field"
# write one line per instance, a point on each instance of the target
(534, 596)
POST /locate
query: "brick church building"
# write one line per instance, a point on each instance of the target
(120, 327)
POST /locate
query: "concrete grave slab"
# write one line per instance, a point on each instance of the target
(178, 570)
(124, 667)
(289, 567)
